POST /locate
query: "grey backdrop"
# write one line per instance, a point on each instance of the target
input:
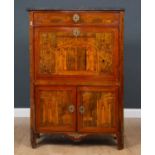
(132, 42)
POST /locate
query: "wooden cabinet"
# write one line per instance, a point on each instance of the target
(76, 72)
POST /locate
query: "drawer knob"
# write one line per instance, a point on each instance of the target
(76, 17)
(81, 109)
(71, 108)
(76, 32)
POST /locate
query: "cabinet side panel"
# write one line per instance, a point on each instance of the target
(121, 73)
(31, 56)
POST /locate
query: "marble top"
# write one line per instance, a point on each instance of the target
(75, 9)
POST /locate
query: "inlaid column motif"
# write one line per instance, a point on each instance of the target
(98, 109)
(54, 108)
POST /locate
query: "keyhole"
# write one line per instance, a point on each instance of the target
(76, 32)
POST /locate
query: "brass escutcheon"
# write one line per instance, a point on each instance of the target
(76, 32)
(71, 108)
(76, 17)
(81, 109)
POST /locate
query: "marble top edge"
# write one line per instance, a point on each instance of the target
(76, 9)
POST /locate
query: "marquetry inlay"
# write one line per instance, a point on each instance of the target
(89, 53)
(99, 109)
(55, 108)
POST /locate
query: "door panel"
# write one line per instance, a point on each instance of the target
(97, 108)
(55, 110)
(73, 51)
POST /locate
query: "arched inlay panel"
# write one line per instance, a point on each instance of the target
(86, 52)
(97, 108)
(56, 108)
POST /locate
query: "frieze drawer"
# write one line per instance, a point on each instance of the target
(75, 18)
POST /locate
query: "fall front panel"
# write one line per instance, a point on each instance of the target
(55, 108)
(97, 109)
(76, 51)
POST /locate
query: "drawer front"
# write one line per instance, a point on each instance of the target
(72, 51)
(65, 18)
(97, 109)
(55, 108)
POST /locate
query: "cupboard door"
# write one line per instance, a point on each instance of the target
(97, 109)
(55, 108)
(75, 51)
